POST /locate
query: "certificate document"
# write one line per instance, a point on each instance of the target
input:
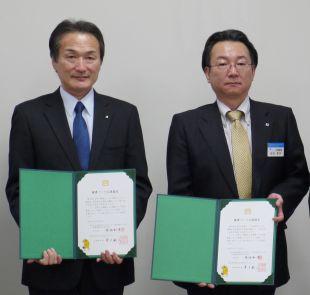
(245, 244)
(105, 213)
(224, 241)
(79, 214)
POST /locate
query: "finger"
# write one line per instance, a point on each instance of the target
(44, 260)
(99, 259)
(59, 259)
(51, 256)
(29, 261)
(211, 286)
(281, 213)
(54, 256)
(116, 258)
(109, 257)
(279, 204)
(103, 258)
(203, 285)
(276, 219)
(280, 216)
(274, 196)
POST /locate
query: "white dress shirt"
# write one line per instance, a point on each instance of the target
(245, 121)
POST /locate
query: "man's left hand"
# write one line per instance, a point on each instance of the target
(279, 204)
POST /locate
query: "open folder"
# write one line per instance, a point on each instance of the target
(216, 241)
(79, 214)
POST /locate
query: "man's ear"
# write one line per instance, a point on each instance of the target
(207, 73)
(253, 72)
(54, 64)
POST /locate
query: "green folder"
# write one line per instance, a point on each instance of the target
(48, 212)
(186, 240)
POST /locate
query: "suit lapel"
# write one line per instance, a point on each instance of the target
(212, 130)
(103, 114)
(261, 128)
(56, 116)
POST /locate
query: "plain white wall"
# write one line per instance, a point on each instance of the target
(153, 60)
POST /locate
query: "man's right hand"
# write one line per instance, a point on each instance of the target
(50, 257)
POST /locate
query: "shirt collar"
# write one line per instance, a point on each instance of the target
(244, 107)
(70, 102)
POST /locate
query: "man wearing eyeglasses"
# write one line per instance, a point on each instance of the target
(227, 149)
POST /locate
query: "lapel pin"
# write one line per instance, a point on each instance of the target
(267, 124)
(107, 116)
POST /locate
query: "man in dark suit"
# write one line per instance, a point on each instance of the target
(205, 160)
(72, 129)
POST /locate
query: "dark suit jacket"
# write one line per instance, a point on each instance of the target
(40, 138)
(199, 163)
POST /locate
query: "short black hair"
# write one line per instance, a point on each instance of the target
(72, 26)
(228, 35)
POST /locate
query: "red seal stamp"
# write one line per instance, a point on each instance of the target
(123, 240)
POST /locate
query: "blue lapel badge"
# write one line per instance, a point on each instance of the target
(275, 149)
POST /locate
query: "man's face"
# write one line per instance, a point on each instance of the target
(231, 73)
(78, 63)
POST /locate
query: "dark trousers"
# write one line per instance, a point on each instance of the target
(233, 290)
(86, 286)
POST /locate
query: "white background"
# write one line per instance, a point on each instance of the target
(153, 55)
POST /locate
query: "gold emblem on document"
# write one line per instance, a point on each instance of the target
(86, 244)
(247, 211)
(105, 182)
(224, 270)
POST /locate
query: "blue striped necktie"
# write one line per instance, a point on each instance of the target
(80, 136)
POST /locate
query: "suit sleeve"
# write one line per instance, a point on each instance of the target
(21, 155)
(135, 158)
(296, 183)
(178, 160)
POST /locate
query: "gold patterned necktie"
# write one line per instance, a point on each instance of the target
(242, 158)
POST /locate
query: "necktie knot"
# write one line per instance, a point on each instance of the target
(234, 115)
(79, 107)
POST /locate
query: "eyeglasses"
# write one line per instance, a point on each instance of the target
(225, 67)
